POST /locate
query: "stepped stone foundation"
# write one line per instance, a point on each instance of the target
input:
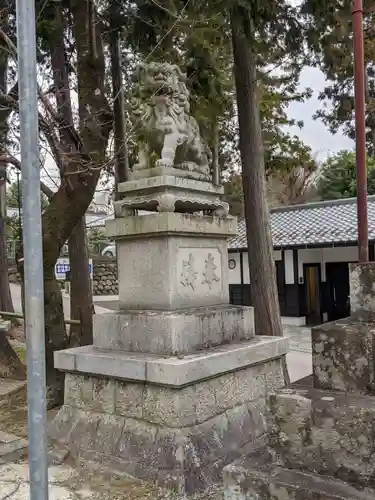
(174, 386)
(321, 442)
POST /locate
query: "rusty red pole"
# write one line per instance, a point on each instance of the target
(360, 129)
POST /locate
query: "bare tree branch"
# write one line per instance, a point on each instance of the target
(43, 96)
(17, 164)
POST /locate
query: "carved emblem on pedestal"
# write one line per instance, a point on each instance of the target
(188, 275)
(209, 274)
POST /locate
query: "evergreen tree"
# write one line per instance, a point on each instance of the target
(329, 35)
(337, 178)
(198, 38)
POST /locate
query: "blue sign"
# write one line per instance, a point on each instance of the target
(63, 266)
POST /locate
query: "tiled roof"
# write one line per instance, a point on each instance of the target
(328, 222)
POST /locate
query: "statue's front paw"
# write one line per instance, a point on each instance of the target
(164, 163)
(140, 166)
(222, 210)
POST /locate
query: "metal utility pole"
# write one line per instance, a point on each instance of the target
(360, 129)
(33, 250)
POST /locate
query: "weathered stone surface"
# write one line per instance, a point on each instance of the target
(167, 193)
(344, 356)
(12, 447)
(362, 291)
(180, 438)
(171, 406)
(170, 223)
(90, 393)
(178, 332)
(161, 171)
(186, 459)
(129, 399)
(324, 432)
(105, 277)
(197, 278)
(257, 479)
(171, 371)
(180, 145)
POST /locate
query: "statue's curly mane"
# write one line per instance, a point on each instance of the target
(172, 91)
(161, 118)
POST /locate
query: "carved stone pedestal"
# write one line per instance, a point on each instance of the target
(183, 259)
(175, 384)
(166, 193)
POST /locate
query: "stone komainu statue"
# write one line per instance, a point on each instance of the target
(162, 123)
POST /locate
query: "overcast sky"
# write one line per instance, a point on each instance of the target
(314, 132)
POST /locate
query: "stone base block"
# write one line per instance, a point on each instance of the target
(171, 261)
(173, 333)
(255, 479)
(344, 356)
(161, 171)
(325, 433)
(178, 438)
(168, 193)
(174, 371)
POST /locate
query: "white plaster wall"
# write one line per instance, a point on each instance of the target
(305, 256)
(289, 269)
(246, 275)
(235, 274)
(277, 254)
(340, 254)
(324, 255)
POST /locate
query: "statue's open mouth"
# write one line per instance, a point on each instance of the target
(163, 89)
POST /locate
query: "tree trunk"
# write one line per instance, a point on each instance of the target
(6, 303)
(10, 364)
(81, 303)
(81, 306)
(261, 262)
(56, 338)
(215, 156)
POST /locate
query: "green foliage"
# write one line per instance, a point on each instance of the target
(197, 36)
(13, 228)
(12, 197)
(338, 177)
(96, 240)
(233, 194)
(329, 37)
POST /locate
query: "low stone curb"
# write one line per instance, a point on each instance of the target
(12, 448)
(9, 387)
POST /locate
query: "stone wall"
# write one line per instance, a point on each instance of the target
(14, 275)
(105, 277)
(179, 437)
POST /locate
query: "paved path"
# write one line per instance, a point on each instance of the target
(16, 296)
(299, 358)
(66, 483)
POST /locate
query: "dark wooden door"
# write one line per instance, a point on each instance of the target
(337, 276)
(312, 286)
